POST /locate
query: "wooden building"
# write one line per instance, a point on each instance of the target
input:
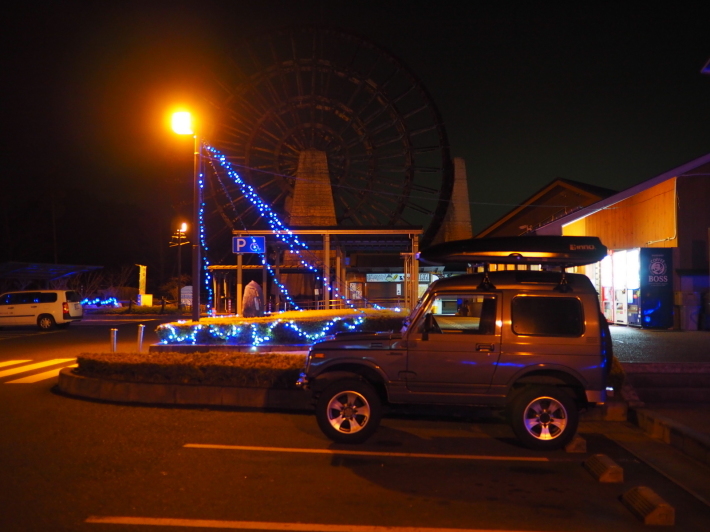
(670, 211)
(560, 198)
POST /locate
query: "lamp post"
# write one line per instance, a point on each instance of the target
(182, 125)
(179, 235)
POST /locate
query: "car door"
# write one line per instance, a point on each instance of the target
(6, 309)
(25, 308)
(459, 354)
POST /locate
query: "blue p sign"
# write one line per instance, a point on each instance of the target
(248, 244)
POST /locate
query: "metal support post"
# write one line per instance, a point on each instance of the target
(141, 328)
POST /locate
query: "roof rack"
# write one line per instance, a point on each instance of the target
(562, 251)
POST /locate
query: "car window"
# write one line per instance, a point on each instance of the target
(28, 297)
(48, 297)
(6, 299)
(464, 313)
(73, 297)
(547, 316)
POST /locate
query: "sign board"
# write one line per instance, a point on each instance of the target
(656, 278)
(186, 296)
(394, 278)
(248, 244)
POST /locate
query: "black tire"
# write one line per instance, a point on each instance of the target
(544, 418)
(46, 322)
(349, 411)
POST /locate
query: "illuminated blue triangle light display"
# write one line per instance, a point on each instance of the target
(278, 228)
(257, 335)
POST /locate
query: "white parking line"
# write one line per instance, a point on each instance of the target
(367, 453)
(12, 362)
(38, 365)
(264, 525)
(40, 376)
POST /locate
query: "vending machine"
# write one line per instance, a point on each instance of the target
(633, 287)
(607, 289)
(618, 259)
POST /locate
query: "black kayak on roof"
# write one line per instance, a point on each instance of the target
(559, 250)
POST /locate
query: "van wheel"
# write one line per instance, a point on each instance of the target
(544, 417)
(349, 411)
(46, 322)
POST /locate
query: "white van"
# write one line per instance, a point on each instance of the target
(43, 308)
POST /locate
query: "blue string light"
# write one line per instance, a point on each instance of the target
(109, 302)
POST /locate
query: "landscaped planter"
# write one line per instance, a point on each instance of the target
(296, 328)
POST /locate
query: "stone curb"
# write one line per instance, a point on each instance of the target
(183, 395)
(660, 427)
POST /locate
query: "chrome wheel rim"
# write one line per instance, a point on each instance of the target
(545, 418)
(348, 412)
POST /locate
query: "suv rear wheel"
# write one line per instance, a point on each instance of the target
(349, 411)
(543, 417)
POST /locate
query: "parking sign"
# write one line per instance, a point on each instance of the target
(248, 244)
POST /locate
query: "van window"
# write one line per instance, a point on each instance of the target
(48, 297)
(547, 316)
(73, 297)
(27, 297)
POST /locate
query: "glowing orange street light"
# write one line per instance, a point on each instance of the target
(183, 125)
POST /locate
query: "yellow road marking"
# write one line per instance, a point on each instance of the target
(40, 376)
(366, 453)
(38, 365)
(12, 362)
(264, 525)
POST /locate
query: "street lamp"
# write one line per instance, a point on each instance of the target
(183, 125)
(180, 236)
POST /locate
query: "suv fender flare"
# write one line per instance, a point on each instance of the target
(547, 374)
(344, 369)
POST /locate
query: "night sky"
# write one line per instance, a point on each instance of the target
(610, 96)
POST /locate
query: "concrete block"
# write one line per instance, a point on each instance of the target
(604, 469)
(116, 391)
(80, 386)
(577, 445)
(648, 506)
(289, 399)
(152, 393)
(198, 395)
(616, 411)
(697, 447)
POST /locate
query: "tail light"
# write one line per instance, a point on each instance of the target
(65, 309)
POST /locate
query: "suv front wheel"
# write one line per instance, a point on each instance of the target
(543, 417)
(349, 411)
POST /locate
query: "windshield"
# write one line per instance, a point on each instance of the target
(415, 311)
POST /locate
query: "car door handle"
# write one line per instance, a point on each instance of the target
(486, 348)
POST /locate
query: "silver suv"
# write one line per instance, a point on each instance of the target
(531, 342)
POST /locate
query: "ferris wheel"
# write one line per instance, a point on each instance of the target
(312, 87)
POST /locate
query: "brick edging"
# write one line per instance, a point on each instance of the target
(180, 394)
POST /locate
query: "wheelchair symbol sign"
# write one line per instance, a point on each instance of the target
(248, 244)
